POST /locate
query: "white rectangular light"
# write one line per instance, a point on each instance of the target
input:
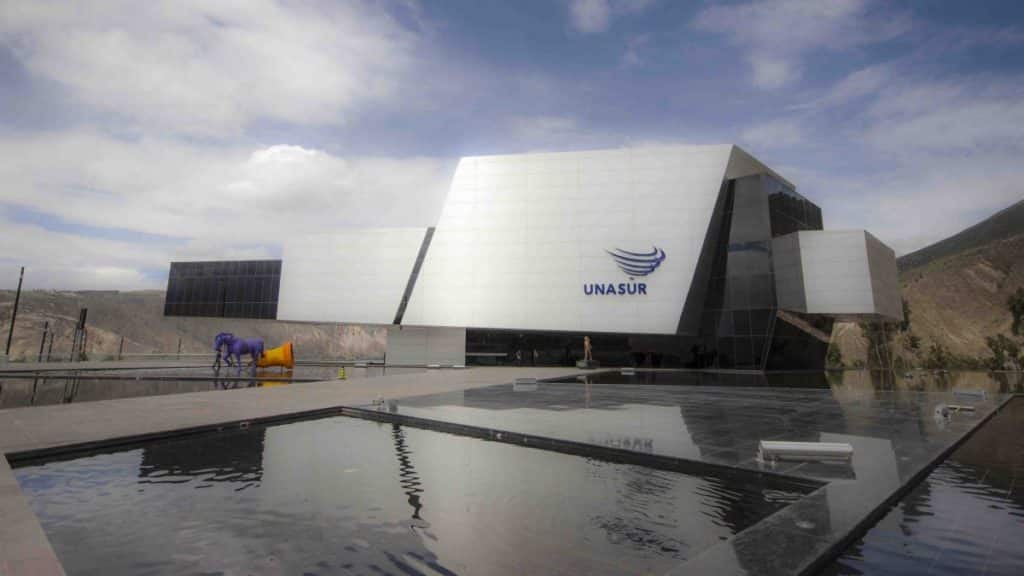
(780, 450)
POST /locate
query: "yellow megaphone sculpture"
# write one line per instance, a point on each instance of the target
(283, 356)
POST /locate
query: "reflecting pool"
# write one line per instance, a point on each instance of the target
(65, 387)
(966, 517)
(340, 495)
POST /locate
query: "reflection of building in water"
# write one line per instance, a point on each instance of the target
(222, 457)
(407, 477)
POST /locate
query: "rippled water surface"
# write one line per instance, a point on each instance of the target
(342, 495)
(966, 517)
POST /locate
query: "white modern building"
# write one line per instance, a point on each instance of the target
(695, 256)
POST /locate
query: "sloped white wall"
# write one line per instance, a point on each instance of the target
(845, 272)
(520, 235)
(352, 276)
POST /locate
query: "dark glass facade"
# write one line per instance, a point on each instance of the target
(542, 348)
(739, 324)
(737, 317)
(223, 289)
(739, 320)
(790, 212)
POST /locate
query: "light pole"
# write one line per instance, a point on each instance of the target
(14, 313)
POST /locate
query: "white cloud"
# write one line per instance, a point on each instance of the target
(235, 199)
(923, 202)
(966, 115)
(538, 129)
(589, 15)
(592, 16)
(166, 187)
(774, 134)
(859, 84)
(773, 71)
(68, 261)
(942, 154)
(777, 34)
(212, 68)
(631, 56)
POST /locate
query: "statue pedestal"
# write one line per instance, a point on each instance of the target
(587, 364)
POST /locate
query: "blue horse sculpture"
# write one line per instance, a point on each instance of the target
(237, 347)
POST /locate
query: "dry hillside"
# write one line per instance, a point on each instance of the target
(138, 317)
(957, 290)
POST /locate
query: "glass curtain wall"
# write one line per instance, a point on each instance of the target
(798, 341)
(235, 289)
(741, 298)
(740, 315)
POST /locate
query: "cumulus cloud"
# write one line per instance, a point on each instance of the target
(777, 34)
(175, 189)
(243, 201)
(593, 16)
(70, 261)
(211, 68)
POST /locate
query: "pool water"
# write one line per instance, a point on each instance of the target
(344, 495)
(65, 387)
(966, 517)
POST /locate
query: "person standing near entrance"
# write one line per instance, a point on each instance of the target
(588, 352)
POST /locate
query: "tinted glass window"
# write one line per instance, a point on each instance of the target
(237, 289)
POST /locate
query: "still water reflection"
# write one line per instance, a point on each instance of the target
(966, 517)
(720, 418)
(340, 495)
(68, 387)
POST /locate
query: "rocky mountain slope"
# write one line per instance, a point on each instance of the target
(138, 317)
(957, 291)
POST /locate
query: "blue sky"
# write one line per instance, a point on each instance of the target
(134, 133)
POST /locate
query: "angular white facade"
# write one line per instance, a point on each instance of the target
(846, 273)
(521, 236)
(699, 254)
(354, 275)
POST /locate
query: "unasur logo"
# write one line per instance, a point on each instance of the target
(634, 264)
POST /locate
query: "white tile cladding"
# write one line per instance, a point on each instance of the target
(844, 273)
(355, 275)
(521, 236)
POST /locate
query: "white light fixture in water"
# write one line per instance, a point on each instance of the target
(944, 410)
(524, 385)
(779, 450)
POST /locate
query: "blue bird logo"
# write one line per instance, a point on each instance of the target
(637, 263)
